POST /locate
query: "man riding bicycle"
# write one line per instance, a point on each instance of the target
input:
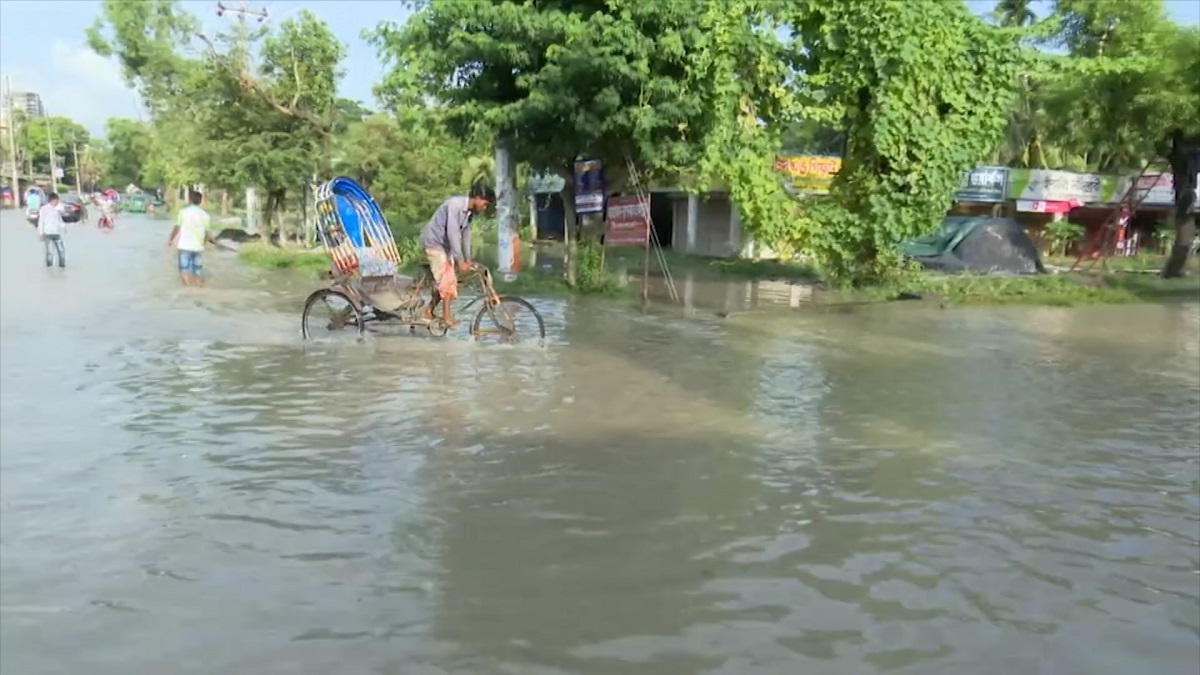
(447, 243)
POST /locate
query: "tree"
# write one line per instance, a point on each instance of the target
(1108, 114)
(553, 82)
(37, 135)
(242, 108)
(408, 170)
(130, 147)
(1015, 13)
(923, 90)
(93, 163)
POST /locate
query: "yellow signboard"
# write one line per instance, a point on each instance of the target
(809, 173)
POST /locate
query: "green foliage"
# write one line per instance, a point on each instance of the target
(1063, 233)
(552, 79)
(409, 171)
(1128, 77)
(557, 80)
(275, 258)
(130, 143)
(923, 90)
(241, 108)
(34, 138)
(1060, 290)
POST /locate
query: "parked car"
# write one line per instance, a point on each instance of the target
(72, 208)
(70, 205)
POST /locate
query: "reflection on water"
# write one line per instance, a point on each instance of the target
(188, 489)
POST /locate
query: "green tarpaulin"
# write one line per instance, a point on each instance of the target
(954, 230)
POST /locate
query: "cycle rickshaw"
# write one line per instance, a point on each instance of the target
(365, 291)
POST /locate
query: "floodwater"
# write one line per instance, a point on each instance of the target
(186, 488)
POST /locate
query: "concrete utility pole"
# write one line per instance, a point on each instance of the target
(12, 144)
(50, 142)
(78, 180)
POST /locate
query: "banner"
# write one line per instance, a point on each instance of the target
(987, 184)
(1038, 206)
(589, 186)
(811, 174)
(628, 221)
(1063, 186)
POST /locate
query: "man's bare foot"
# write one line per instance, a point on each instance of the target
(449, 322)
(427, 314)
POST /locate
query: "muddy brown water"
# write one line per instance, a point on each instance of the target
(186, 488)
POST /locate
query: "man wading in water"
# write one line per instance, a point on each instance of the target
(51, 227)
(190, 234)
(447, 243)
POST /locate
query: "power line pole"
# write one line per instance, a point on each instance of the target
(50, 143)
(242, 11)
(12, 144)
(78, 180)
(241, 38)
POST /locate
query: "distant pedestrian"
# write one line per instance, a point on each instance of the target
(51, 229)
(33, 202)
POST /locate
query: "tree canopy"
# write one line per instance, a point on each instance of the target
(692, 92)
(246, 107)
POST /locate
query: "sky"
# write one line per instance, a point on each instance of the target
(43, 48)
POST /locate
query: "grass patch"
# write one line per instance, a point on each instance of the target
(1063, 290)
(1146, 262)
(271, 257)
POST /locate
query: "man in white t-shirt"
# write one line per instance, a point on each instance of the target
(189, 235)
(51, 229)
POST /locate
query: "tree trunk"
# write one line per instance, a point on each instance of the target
(271, 210)
(569, 218)
(1185, 234)
(1185, 169)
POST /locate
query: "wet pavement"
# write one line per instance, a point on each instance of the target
(185, 487)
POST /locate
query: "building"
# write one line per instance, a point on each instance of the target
(29, 103)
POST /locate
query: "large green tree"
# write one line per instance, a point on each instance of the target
(37, 136)
(130, 146)
(408, 169)
(253, 107)
(1115, 118)
(557, 81)
(923, 90)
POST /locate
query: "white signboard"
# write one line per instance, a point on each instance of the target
(1061, 186)
(1159, 188)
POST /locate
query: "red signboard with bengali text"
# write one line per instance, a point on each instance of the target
(628, 221)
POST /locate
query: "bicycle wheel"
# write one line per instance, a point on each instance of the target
(330, 315)
(512, 321)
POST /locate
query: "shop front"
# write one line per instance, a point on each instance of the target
(1041, 197)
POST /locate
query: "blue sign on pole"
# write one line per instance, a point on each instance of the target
(986, 184)
(589, 186)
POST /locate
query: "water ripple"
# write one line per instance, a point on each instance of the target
(893, 489)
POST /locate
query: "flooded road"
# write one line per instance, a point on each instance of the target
(186, 488)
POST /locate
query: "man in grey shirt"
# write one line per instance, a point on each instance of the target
(447, 243)
(51, 229)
